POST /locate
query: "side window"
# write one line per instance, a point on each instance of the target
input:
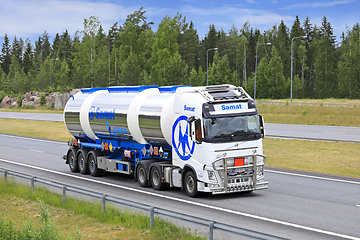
(198, 132)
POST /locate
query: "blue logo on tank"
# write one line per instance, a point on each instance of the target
(116, 130)
(181, 140)
(100, 114)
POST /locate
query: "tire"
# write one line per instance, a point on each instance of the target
(191, 184)
(141, 175)
(82, 162)
(155, 178)
(71, 158)
(92, 162)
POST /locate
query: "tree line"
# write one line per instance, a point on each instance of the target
(133, 54)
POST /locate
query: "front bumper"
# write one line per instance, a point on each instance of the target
(248, 181)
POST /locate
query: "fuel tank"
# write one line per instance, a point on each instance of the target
(143, 113)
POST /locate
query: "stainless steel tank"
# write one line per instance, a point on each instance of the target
(143, 113)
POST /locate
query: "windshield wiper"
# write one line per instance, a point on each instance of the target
(230, 135)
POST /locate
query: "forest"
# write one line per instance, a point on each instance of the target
(132, 53)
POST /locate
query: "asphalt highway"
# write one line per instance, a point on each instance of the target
(296, 205)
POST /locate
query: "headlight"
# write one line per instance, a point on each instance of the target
(230, 162)
(248, 160)
(211, 175)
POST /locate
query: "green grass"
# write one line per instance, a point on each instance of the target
(20, 205)
(336, 158)
(319, 102)
(31, 109)
(312, 115)
(37, 129)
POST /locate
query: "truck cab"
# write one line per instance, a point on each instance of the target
(217, 138)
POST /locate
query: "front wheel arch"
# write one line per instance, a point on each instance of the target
(189, 180)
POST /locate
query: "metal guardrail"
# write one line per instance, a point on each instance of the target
(152, 210)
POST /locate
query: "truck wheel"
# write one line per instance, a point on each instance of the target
(191, 184)
(71, 157)
(155, 177)
(83, 164)
(93, 168)
(141, 175)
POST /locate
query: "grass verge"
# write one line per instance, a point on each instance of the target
(80, 219)
(311, 115)
(335, 158)
(321, 102)
(37, 129)
(31, 109)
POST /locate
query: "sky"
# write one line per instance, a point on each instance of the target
(30, 18)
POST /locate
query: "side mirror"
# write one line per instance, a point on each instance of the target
(195, 129)
(262, 126)
(191, 119)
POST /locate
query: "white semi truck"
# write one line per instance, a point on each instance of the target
(201, 139)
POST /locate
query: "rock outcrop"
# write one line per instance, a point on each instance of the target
(56, 99)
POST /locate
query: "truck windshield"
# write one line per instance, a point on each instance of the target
(235, 128)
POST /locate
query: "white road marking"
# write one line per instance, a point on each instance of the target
(357, 205)
(308, 176)
(192, 203)
(38, 151)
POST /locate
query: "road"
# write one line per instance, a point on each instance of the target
(292, 131)
(295, 206)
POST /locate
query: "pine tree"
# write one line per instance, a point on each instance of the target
(274, 76)
(28, 58)
(253, 40)
(262, 84)
(283, 45)
(302, 62)
(296, 31)
(5, 57)
(17, 50)
(56, 47)
(209, 41)
(325, 62)
(46, 46)
(188, 40)
(349, 65)
(233, 42)
(2, 82)
(66, 47)
(242, 52)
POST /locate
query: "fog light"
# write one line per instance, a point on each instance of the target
(211, 175)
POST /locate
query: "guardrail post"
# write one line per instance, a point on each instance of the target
(32, 184)
(152, 211)
(5, 175)
(103, 203)
(211, 231)
(64, 194)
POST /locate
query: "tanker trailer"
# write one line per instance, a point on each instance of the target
(201, 139)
